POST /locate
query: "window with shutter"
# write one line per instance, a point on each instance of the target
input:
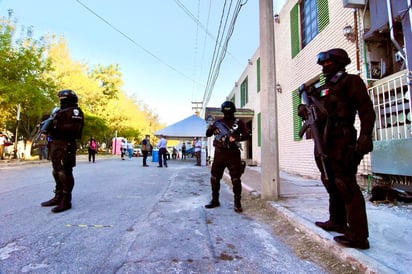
(297, 120)
(244, 93)
(323, 12)
(258, 74)
(294, 30)
(307, 19)
(259, 131)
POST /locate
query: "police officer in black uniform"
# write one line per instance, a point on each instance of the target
(64, 126)
(342, 96)
(228, 132)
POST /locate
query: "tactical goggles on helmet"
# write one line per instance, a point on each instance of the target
(323, 57)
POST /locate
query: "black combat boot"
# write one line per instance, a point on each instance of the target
(65, 203)
(215, 200)
(332, 226)
(238, 206)
(215, 183)
(213, 203)
(55, 200)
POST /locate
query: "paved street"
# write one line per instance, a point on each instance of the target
(130, 219)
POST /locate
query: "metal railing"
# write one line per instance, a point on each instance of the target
(391, 101)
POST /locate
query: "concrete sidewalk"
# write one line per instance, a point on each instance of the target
(304, 201)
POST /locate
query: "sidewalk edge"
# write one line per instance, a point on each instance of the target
(353, 256)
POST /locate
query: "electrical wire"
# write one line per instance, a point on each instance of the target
(205, 29)
(134, 42)
(219, 52)
(218, 56)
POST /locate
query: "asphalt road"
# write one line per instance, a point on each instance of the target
(130, 219)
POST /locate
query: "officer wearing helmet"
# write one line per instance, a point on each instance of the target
(65, 127)
(228, 132)
(343, 96)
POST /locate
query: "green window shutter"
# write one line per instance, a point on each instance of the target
(294, 30)
(322, 79)
(244, 92)
(323, 14)
(297, 120)
(247, 91)
(259, 132)
(258, 74)
(242, 95)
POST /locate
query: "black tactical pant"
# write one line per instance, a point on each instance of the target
(63, 157)
(226, 158)
(346, 202)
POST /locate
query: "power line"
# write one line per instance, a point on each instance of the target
(217, 60)
(220, 49)
(205, 29)
(134, 42)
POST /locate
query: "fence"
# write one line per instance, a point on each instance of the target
(391, 100)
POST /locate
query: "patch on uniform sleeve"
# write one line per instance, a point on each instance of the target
(76, 112)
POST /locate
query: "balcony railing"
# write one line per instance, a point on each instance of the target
(391, 101)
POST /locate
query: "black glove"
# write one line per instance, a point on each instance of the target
(302, 112)
(364, 145)
(214, 129)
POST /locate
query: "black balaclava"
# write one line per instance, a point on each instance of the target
(331, 69)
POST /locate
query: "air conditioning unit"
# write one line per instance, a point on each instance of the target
(354, 4)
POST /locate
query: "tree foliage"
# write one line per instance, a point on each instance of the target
(35, 70)
(22, 80)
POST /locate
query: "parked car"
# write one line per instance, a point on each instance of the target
(190, 152)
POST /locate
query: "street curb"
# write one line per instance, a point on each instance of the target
(350, 255)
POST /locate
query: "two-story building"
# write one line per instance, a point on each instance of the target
(378, 50)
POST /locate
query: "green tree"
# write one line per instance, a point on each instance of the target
(35, 70)
(22, 80)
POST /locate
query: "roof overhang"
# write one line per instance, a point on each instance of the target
(244, 114)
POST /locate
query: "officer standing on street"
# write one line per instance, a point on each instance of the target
(64, 127)
(228, 132)
(342, 96)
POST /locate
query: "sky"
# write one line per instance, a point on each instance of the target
(165, 48)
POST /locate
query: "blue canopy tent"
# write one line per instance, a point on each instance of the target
(192, 126)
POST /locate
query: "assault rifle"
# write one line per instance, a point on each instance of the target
(45, 125)
(309, 112)
(224, 131)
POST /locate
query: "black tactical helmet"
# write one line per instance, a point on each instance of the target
(67, 97)
(337, 55)
(228, 107)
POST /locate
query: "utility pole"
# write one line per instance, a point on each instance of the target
(197, 106)
(270, 153)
